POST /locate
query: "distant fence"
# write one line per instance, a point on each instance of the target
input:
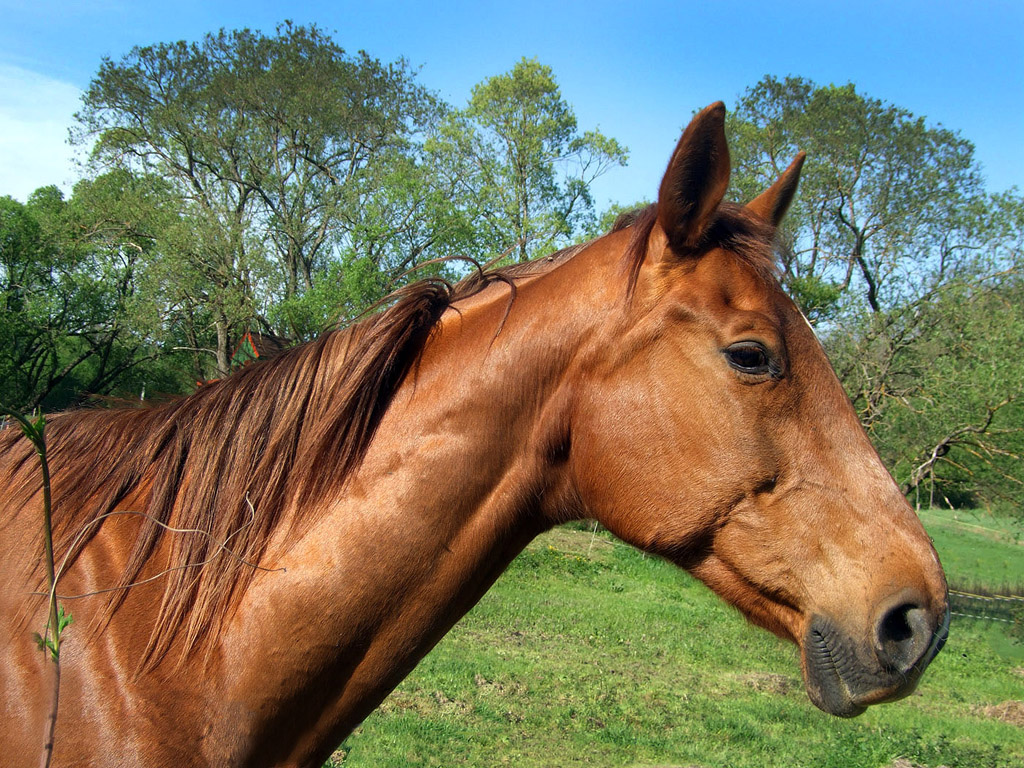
(1003, 608)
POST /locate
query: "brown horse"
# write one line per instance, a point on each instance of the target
(253, 568)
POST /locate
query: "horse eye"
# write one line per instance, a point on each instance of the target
(749, 357)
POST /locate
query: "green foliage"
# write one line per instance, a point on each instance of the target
(339, 293)
(816, 296)
(34, 429)
(516, 156)
(603, 224)
(25, 266)
(52, 644)
(229, 195)
(57, 621)
(882, 197)
(959, 425)
(270, 179)
(68, 324)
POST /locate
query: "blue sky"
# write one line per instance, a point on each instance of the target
(636, 70)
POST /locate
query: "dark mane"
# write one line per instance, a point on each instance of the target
(734, 229)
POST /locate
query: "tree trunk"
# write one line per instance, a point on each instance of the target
(223, 350)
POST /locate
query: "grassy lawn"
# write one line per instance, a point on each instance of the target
(977, 548)
(588, 653)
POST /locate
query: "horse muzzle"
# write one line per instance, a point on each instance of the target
(844, 675)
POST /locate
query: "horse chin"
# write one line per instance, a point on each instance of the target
(843, 679)
(832, 696)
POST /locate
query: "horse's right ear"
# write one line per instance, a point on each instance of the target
(696, 179)
(772, 204)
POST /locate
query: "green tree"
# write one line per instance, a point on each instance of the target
(607, 220)
(956, 431)
(69, 282)
(516, 155)
(26, 264)
(883, 194)
(119, 222)
(270, 143)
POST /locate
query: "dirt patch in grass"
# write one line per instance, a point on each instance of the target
(767, 682)
(1011, 712)
(495, 688)
(424, 704)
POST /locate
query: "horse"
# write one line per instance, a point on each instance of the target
(252, 568)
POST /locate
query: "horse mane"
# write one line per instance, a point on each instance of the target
(213, 472)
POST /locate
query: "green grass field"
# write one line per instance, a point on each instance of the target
(588, 653)
(978, 548)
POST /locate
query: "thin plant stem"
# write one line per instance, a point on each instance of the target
(35, 432)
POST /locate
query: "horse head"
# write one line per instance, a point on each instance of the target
(712, 430)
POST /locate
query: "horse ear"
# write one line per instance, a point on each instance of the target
(696, 179)
(772, 204)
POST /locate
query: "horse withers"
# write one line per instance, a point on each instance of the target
(254, 567)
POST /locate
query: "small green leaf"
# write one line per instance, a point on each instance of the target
(45, 643)
(64, 620)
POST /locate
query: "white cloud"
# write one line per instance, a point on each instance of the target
(35, 114)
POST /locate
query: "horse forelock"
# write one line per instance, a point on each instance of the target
(734, 229)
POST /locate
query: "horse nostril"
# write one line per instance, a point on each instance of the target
(895, 626)
(902, 636)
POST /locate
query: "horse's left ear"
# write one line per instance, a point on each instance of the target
(772, 204)
(696, 179)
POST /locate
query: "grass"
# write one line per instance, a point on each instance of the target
(586, 653)
(976, 548)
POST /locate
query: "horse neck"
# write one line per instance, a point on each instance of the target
(467, 465)
(474, 437)
(491, 401)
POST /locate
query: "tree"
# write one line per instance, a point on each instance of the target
(69, 282)
(270, 173)
(26, 263)
(957, 432)
(882, 195)
(898, 254)
(120, 222)
(515, 153)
